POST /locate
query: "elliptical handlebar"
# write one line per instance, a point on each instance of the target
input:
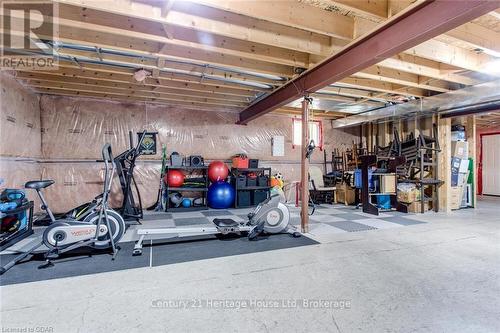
(107, 156)
(139, 143)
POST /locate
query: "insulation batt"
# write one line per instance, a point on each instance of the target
(68, 136)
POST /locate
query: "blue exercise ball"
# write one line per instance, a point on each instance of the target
(186, 203)
(220, 195)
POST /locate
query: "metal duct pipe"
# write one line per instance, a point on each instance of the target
(88, 60)
(79, 47)
(472, 109)
(476, 95)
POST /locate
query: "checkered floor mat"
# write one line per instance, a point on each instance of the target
(342, 218)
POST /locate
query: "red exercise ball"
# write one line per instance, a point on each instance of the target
(217, 171)
(174, 178)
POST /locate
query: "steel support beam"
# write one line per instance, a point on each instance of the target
(420, 23)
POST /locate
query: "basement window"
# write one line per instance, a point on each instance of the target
(315, 132)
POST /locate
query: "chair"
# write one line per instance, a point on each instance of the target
(317, 190)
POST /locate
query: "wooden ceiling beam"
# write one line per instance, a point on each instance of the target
(396, 77)
(351, 92)
(86, 91)
(142, 10)
(476, 60)
(424, 67)
(391, 75)
(291, 13)
(112, 73)
(320, 113)
(111, 70)
(68, 75)
(209, 20)
(161, 64)
(130, 92)
(385, 87)
(436, 50)
(477, 36)
(134, 99)
(376, 9)
(345, 100)
(95, 20)
(34, 79)
(402, 78)
(128, 40)
(452, 55)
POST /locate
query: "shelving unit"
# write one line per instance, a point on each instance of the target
(200, 171)
(421, 168)
(235, 172)
(392, 163)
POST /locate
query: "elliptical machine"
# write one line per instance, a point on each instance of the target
(101, 229)
(125, 164)
(129, 209)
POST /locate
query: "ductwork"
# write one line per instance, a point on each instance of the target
(484, 97)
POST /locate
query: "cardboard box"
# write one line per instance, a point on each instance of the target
(455, 168)
(388, 184)
(464, 166)
(462, 179)
(456, 193)
(460, 149)
(409, 196)
(345, 194)
(415, 207)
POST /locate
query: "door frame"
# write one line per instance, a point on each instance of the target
(480, 166)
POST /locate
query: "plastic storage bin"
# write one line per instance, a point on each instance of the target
(384, 201)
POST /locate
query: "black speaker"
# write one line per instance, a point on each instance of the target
(195, 161)
(253, 163)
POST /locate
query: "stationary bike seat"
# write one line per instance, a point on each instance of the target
(38, 184)
(225, 223)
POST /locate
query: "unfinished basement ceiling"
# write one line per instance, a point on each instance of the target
(223, 55)
(488, 120)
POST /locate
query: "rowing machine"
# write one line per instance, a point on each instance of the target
(269, 217)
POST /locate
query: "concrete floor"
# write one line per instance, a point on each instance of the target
(441, 276)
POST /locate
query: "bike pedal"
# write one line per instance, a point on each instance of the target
(46, 265)
(52, 255)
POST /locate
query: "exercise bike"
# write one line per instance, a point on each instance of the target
(101, 229)
(269, 217)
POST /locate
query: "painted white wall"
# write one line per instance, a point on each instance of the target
(491, 164)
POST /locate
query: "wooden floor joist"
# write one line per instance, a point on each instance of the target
(236, 51)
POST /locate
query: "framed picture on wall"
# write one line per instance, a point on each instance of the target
(148, 145)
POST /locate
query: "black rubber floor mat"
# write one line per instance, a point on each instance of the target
(161, 253)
